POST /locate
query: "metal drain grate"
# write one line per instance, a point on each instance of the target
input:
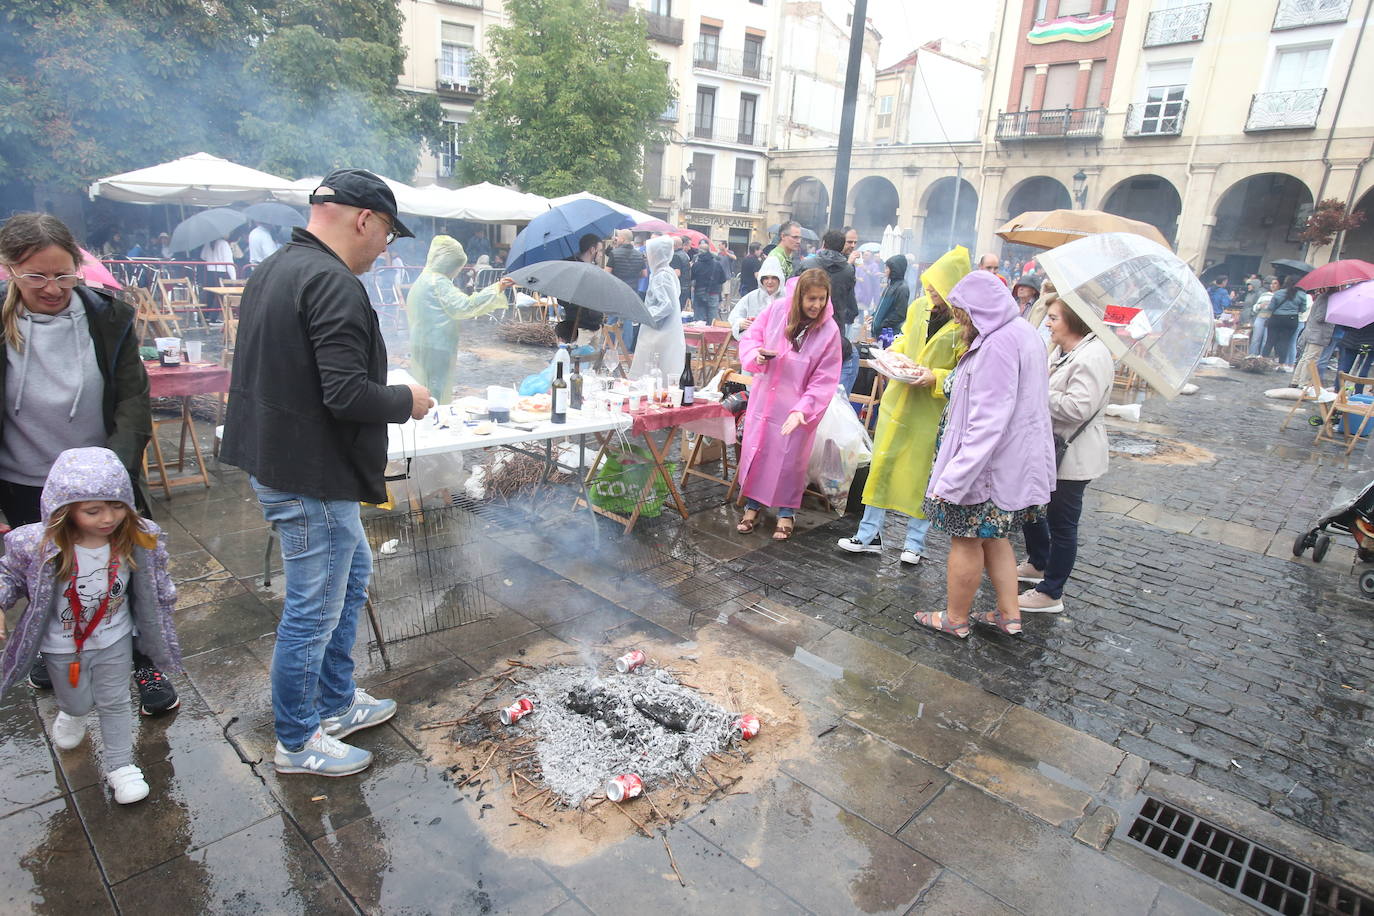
(1332, 899)
(1261, 877)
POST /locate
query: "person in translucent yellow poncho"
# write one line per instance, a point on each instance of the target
(434, 307)
(904, 442)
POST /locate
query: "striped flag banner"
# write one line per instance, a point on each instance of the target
(1071, 28)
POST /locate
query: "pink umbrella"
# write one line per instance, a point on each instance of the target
(654, 225)
(1352, 307)
(94, 272)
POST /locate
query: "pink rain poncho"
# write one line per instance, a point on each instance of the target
(772, 467)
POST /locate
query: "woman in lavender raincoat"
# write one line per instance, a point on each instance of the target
(793, 351)
(995, 468)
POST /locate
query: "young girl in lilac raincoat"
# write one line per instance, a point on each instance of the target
(793, 351)
(95, 576)
(995, 467)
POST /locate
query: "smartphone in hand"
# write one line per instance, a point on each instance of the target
(766, 354)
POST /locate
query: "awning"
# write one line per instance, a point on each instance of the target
(196, 180)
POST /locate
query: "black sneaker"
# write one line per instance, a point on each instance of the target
(39, 678)
(156, 694)
(853, 545)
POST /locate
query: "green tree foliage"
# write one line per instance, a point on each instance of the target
(570, 96)
(89, 88)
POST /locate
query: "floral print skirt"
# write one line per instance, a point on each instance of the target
(982, 520)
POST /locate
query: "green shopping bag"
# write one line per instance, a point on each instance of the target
(621, 478)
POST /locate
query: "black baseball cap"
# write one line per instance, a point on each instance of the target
(360, 188)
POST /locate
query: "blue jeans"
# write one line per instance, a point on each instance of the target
(706, 307)
(849, 372)
(1293, 344)
(327, 564)
(1349, 357)
(1257, 335)
(1052, 542)
(872, 523)
(754, 505)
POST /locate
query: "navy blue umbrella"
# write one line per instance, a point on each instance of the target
(553, 236)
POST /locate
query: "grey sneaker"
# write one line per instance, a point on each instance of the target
(365, 712)
(853, 545)
(322, 756)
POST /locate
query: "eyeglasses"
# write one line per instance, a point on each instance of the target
(795, 238)
(39, 281)
(391, 233)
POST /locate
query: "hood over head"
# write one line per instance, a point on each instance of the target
(771, 268)
(897, 265)
(446, 255)
(946, 272)
(986, 299)
(85, 475)
(1030, 280)
(658, 252)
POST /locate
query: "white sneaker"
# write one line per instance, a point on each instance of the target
(128, 784)
(68, 731)
(1029, 574)
(1037, 602)
(323, 756)
(910, 557)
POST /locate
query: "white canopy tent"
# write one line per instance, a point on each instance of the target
(639, 216)
(481, 203)
(196, 180)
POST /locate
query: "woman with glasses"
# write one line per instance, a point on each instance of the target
(71, 377)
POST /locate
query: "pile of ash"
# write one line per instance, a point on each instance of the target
(589, 727)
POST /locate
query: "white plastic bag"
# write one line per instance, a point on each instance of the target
(842, 445)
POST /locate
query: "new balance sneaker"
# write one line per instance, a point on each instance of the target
(323, 756)
(1029, 574)
(68, 731)
(910, 557)
(39, 676)
(1037, 602)
(853, 545)
(128, 784)
(365, 712)
(156, 694)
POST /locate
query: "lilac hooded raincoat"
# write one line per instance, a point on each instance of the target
(998, 443)
(772, 467)
(29, 567)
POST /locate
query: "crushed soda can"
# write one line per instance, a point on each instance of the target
(746, 726)
(517, 711)
(626, 785)
(629, 661)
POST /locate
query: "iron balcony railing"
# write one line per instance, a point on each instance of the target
(1051, 124)
(671, 112)
(1293, 14)
(1291, 109)
(455, 74)
(724, 130)
(1155, 119)
(660, 28)
(1178, 25)
(725, 199)
(749, 64)
(470, 4)
(662, 188)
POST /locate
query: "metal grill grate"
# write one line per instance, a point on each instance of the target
(1332, 899)
(1261, 877)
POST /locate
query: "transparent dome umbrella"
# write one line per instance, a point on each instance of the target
(1160, 321)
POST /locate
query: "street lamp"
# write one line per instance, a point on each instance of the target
(1080, 188)
(684, 185)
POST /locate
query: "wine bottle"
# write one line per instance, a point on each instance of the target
(560, 396)
(687, 384)
(575, 386)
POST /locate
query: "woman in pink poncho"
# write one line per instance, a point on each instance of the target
(793, 351)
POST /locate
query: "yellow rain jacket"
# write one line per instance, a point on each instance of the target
(904, 442)
(433, 307)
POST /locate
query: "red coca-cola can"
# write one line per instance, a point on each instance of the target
(517, 711)
(629, 661)
(626, 785)
(746, 726)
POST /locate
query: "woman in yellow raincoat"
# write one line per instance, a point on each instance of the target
(435, 305)
(904, 443)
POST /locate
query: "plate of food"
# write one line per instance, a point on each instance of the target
(893, 365)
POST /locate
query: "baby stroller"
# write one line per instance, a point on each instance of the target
(1356, 518)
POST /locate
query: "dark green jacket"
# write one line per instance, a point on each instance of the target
(128, 413)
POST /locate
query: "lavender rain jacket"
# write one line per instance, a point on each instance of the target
(998, 443)
(29, 567)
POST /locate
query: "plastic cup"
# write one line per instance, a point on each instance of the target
(193, 351)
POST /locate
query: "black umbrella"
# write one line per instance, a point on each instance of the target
(275, 214)
(1288, 265)
(806, 233)
(585, 284)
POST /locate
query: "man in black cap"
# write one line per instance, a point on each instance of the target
(308, 411)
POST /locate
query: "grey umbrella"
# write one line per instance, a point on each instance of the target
(584, 284)
(275, 214)
(205, 226)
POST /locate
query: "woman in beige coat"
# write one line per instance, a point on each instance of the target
(1080, 386)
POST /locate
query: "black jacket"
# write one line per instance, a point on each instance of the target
(749, 274)
(708, 275)
(841, 290)
(626, 263)
(124, 402)
(309, 403)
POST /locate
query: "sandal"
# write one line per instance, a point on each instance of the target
(780, 533)
(995, 619)
(939, 621)
(749, 522)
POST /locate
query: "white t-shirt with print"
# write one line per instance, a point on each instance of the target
(92, 577)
